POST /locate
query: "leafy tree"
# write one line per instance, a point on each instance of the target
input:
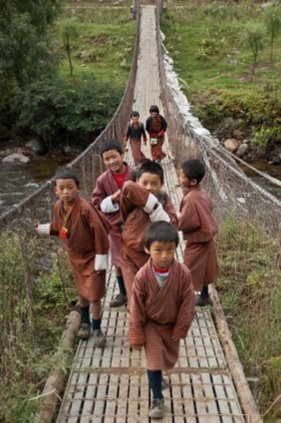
(65, 112)
(24, 51)
(255, 40)
(273, 26)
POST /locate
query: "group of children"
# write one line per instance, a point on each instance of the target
(143, 236)
(156, 126)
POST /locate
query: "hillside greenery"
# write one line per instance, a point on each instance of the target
(70, 88)
(229, 62)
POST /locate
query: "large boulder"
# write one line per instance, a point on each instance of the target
(231, 144)
(242, 149)
(16, 157)
(37, 146)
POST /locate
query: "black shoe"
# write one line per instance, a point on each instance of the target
(99, 338)
(118, 301)
(84, 331)
(157, 409)
(202, 302)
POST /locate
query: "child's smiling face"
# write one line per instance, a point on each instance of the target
(113, 160)
(185, 181)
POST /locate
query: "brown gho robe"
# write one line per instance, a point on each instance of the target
(199, 227)
(156, 127)
(86, 238)
(136, 220)
(159, 314)
(105, 187)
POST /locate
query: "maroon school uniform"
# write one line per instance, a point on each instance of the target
(84, 238)
(159, 313)
(136, 220)
(134, 134)
(106, 185)
(199, 227)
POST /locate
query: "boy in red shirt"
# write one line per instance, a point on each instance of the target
(106, 197)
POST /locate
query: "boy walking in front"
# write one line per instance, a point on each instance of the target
(135, 132)
(106, 197)
(141, 203)
(198, 225)
(81, 229)
(162, 307)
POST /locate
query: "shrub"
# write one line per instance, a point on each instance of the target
(58, 111)
(32, 315)
(264, 136)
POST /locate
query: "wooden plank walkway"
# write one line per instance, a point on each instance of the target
(110, 385)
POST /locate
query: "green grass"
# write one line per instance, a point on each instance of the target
(210, 52)
(101, 41)
(250, 291)
(32, 317)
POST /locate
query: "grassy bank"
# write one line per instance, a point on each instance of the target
(33, 306)
(209, 42)
(250, 291)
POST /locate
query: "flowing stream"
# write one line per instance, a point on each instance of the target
(272, 170)
(18, 180)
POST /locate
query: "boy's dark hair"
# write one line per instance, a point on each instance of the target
(193, 169)
(149, 166)
(135, 114)
(111, 144)
(154, 108)
(67, 173)
(162, 232)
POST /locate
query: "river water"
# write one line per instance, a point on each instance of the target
(271, 170)
(18, 180)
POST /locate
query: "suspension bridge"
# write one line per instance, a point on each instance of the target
(109, 385)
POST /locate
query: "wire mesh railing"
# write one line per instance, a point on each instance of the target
(248, 242)
(24, 255)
